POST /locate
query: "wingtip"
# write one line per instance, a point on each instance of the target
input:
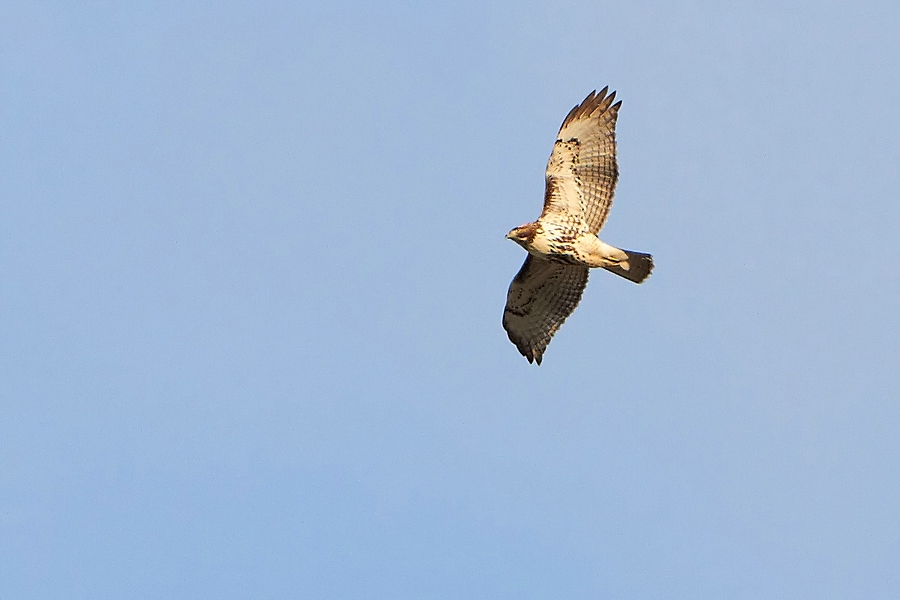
(596, 103)
(535, 355)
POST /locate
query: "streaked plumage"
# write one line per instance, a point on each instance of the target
(562, 244)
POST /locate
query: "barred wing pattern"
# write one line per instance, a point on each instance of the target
(582, 171)
(540, 298)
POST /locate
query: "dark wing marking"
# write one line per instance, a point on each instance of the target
(582, 171)
(540, 298)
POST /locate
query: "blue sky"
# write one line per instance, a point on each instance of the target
(254, 266)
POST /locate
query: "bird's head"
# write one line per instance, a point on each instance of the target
(523, 234)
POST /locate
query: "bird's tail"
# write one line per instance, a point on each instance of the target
(637, 268)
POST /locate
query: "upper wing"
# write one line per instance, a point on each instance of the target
(582, 170)
(540, 298)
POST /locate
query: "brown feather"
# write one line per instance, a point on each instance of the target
(540, 298)
(582, 171)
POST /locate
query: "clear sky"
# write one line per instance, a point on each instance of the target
(253, 268)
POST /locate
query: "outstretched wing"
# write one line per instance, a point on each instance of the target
(540, 298)
(582, 170)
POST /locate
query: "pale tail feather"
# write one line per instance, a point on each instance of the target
(639, 267)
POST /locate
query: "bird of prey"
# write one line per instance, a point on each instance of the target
(562, 244)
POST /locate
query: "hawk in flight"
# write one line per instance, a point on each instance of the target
(562, 244)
